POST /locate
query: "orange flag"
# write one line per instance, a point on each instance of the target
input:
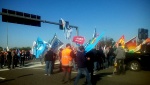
(131, 44)
(121, 40)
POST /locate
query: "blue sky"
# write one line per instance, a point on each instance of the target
(114, 17)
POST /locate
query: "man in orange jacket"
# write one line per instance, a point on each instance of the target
(67, 62)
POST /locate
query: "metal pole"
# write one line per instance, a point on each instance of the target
(7, 37)
(44, 21)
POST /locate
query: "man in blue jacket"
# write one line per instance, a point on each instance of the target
(82, 67)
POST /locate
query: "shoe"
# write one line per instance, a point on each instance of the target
(45, 74)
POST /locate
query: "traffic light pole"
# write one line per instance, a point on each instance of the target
(44, 21)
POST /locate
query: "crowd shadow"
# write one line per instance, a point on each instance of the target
(24, 75)
(7, 80)
(95, 78)
(99, 76)
(3, 81)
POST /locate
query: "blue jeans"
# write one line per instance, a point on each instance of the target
(96, 65)
(48, 67)
(86, 73)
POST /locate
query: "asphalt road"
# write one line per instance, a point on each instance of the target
(33, 74)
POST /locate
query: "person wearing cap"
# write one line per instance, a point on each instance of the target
(82, 67)
(67, 62)
(120, 56)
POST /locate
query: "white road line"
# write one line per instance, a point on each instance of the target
(2, 78)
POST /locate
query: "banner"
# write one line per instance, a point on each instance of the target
(55, 44)
(78, 39)
(131, 44)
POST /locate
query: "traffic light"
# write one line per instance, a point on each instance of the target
(143, 33)
(61, 25)
(20, 17)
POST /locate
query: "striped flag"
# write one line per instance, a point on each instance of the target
(131, 44)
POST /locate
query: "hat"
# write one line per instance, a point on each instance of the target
(81, 47)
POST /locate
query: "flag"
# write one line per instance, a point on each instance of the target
(121, 40)
(146, 41)
(86, 44)
(63, 24)
(93, 44)
(94, 34)
(39, 48)
(131, 44)
(137, 48)
(55, 44)
(68, 33)
(66, 28)
(91, 40)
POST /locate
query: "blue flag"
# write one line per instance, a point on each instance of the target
(55, 44)
(39, 48)
(93, 43)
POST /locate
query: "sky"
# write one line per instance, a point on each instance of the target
(113, 17)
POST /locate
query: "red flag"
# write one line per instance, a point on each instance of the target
(131, 44)
(78, 39)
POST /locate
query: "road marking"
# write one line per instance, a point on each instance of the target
(74, 72)
(109, 75)
(4, 69)
(2, 78)
(38, 68)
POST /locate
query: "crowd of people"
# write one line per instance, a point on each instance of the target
(71, 58)
(83, 62)
(14, 58)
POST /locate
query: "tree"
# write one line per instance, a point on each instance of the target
(106, 41)
(1, 49)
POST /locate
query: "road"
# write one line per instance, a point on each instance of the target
(33, 74)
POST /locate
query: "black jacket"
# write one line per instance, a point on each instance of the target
(49, 56)
(81, 59)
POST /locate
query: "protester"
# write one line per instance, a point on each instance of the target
(82, 67)
(74, 59)
(1, 59)
(95, 59)
(120, 56)
(22, 58)
(67, 62)
(110, 56)
(15, 60)
(106, 64)
(90, 63)
(101, 58)
(9, 59)
(60, 56)
(48, 60)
